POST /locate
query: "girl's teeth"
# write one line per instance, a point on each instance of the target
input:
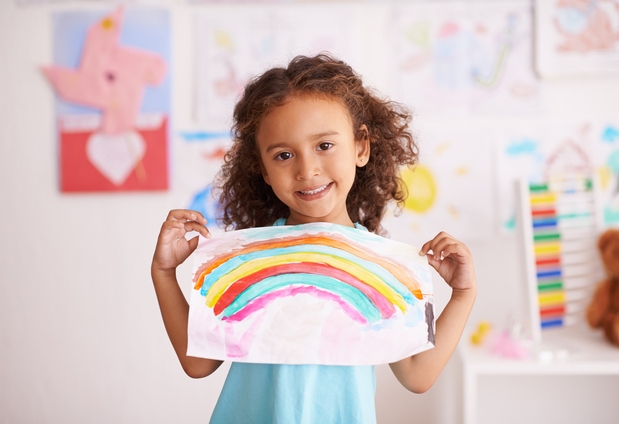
(314, 191)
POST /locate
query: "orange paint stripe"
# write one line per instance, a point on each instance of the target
(404, 277)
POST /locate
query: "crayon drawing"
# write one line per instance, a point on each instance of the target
(607, 173)
(577, 37)
(309, 294)
(589, 148)
(202, 153)
(453, 164)
(470, 57)
(234, 45)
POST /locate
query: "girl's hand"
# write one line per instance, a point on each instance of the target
(172, 246)
(452, 260)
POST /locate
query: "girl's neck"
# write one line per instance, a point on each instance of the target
(291, 220)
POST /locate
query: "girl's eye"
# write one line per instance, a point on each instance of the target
(325, 146)
(283, 156)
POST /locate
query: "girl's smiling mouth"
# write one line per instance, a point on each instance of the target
(314, 192)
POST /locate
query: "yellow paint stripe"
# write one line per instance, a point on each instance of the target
(249, 267)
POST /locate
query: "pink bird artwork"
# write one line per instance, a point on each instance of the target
(110, 77)
(118, 148)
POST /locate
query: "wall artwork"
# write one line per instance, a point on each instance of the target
(111, 77)
(577, 37)
(454, 165)
(461, 58)
(202, 154)
(606, 154)
(589, 147)
(233, 45)
(316, 293)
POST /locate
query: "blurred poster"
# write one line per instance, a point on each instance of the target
(464, 58)
(577, 37)
(589, 148)
(111, 75)
(233, 45)
(450, 189)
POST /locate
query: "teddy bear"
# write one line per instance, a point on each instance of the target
(603, 310)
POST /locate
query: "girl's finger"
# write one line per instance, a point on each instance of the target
(172, 225)
(186, 215)
(434, 243)
(196, 226)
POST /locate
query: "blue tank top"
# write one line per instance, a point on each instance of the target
(296, 394)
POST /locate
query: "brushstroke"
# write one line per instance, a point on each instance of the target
(308, 269)
(355, 305)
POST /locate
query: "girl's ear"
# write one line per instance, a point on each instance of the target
(363, 147)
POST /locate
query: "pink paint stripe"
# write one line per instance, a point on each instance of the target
(262, 301)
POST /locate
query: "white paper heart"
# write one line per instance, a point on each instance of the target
(115, 155)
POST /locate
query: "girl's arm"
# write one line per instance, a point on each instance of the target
(171, 251)
(453, 261)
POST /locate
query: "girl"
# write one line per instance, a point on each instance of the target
(311, 143)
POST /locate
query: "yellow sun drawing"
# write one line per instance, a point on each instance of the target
(421, 188)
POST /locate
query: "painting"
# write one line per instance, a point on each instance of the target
(577, 37)
(110, 75)
(316, 293)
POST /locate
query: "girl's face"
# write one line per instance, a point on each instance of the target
(309, 156)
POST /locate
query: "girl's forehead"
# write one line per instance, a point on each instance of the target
(304, 116)
(310, 100)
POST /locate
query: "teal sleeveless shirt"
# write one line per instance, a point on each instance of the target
(296, 394)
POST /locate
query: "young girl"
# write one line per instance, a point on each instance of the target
(311, 143)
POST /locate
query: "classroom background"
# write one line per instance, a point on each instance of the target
(499, 90)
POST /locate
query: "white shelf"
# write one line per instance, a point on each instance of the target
(576, 350)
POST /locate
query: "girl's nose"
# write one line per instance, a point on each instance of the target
(308, 166)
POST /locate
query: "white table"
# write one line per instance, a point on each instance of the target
(566, 351)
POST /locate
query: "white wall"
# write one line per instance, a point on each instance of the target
(81, 338)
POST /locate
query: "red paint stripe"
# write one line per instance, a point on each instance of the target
(382, 304)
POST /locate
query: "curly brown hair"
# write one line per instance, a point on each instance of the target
(249, 202)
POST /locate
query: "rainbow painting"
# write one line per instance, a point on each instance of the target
(316, 293)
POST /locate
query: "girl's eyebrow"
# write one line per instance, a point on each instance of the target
(275, 146)
(314, 137)
(325, 133)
